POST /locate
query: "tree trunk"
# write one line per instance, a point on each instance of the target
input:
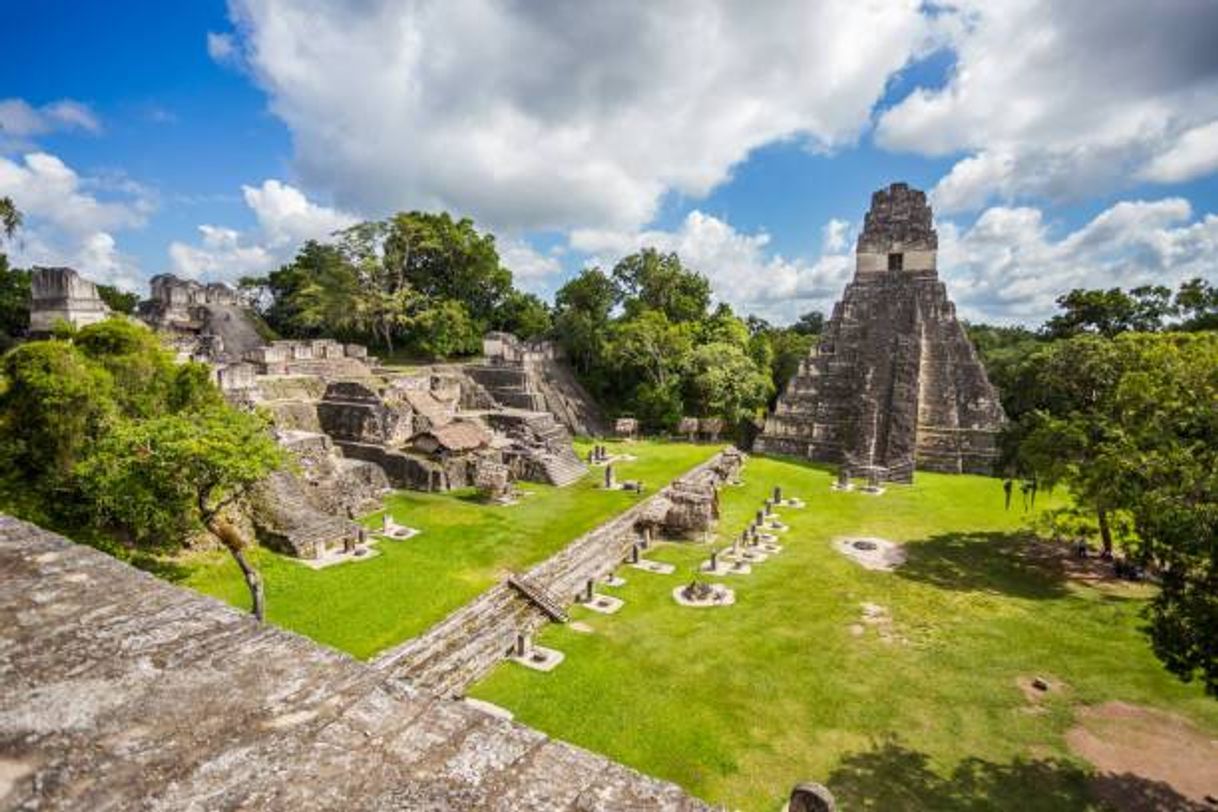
(235, 545)
(1105, 532)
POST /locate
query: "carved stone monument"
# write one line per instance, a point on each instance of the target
(895, 383)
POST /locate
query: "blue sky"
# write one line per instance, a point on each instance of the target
(210, 139)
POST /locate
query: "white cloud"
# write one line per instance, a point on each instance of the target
(1008, 267)
(220, 255)
(740, 267)
(18, 119)
(528, 265)
(222, 48)
(1057, 100)
(286, 218)
(1194, 155)
(553, 116)
(835, 236)
(67, 222)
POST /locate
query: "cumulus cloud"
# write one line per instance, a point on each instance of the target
(741, 268)
(1058, 101)
(69, 219)
(286, 218)
(19, 119)
(528, 265)
(1009, 267)
(558, 115)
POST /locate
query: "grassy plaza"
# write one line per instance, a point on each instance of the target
(463, 548)
(921, 705)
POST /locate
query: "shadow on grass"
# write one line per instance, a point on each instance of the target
(891, 776)
(1008, 563)
(163, 568)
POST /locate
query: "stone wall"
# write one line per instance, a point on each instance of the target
(121, 691)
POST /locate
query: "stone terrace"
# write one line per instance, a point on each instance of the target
(118, 690)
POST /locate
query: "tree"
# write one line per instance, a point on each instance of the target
(649, 280)
(811, 323)
(1113, 311)
(524, 315)
(14, 302)
(1197, 302)
(10, 217)
(164, 477)
(443, 258)
(1131, 424)
(54, 401)
(120, 301)
(445, 330)
(582, 308)
(724, 382)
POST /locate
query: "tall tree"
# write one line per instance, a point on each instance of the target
(10, 217)
(1131, 424)
(649, 280)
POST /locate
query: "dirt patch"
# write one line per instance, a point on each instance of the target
(1146, 759)
(1092, 570)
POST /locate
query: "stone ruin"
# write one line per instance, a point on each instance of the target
(895, 384)
(356, 429)
(61, 294)
(533, 375)
(122, 691)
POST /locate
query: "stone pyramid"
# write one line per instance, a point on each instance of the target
(895, 383)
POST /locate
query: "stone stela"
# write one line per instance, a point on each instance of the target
(895, 384)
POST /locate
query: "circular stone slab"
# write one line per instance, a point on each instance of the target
(872, 553)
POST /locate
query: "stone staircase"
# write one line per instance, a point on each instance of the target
(510, 386)
(541, 598)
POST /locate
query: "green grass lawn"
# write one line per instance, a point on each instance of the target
(737, 704)
(465, 547)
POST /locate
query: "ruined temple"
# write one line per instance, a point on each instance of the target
(61, 294)
(894, 384)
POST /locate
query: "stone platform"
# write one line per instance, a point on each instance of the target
(121, 691)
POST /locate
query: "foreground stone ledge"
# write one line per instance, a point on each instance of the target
(118, 690)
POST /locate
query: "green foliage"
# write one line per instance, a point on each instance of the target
(100, 429)
(724, 382)
(811, 323)
(1132, 424)
(54, 403)
(392, 283)
(524, 315)
(164, 478)
(649, 280)
(14, 303)
(445, 330)
(10, 217)
(120, 301)
(643, 342)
